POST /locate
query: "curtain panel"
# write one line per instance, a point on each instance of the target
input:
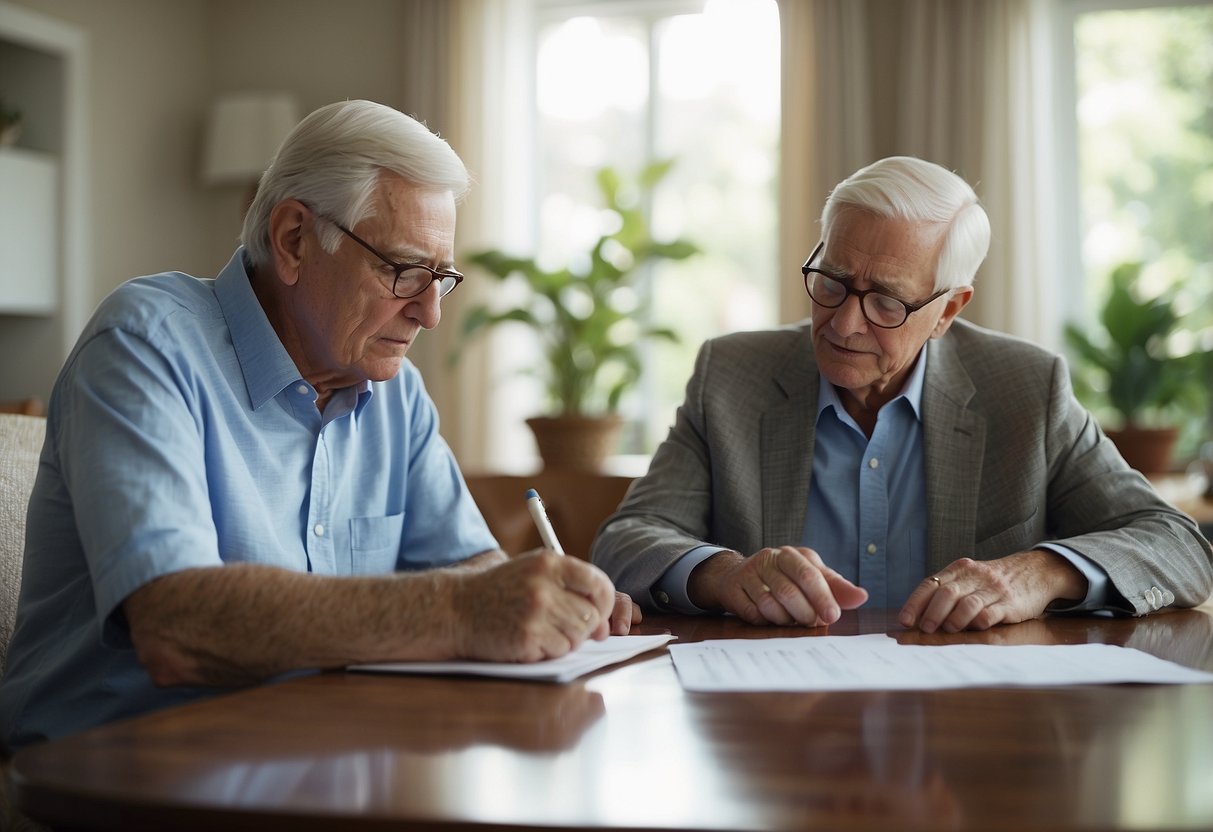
(964, 83)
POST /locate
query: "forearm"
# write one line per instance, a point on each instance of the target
(244, 623)
(483, 560)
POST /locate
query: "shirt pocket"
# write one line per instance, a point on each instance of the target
(375, 544)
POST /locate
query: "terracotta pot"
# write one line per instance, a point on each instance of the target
(575, 443)
(1146, 449)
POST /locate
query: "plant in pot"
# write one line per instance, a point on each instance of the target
(590, 320)
(1129, 364)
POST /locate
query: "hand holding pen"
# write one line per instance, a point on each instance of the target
(625, 613)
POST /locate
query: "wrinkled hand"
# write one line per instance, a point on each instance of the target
(624, 615)
(784, 585)
(976, 595)
(537, 606)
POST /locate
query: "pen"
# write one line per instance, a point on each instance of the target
(546, 533)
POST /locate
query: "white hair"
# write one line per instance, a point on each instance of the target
(332, 162)
(904, 187)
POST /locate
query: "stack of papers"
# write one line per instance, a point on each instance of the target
(588, 657)
(878, 662)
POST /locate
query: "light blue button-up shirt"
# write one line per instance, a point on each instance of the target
(181, 435)
(867, 514)
(867, 510)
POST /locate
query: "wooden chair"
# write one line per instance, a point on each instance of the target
(26, 407)
(577, 504)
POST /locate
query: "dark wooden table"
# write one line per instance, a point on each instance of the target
(627, 748)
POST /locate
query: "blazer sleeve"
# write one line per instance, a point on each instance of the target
(1101, 508)
(667, 512)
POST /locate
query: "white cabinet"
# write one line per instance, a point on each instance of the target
(29, 232)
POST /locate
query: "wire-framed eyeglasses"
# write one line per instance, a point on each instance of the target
(879, 309)
(411, 278)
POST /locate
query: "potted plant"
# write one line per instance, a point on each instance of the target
(1129, 364)
(590, 321)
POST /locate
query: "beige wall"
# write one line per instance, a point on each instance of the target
(319, 50)
(147, 86)
(154, 66)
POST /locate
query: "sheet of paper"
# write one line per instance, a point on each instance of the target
(878, 662)
(588, 657)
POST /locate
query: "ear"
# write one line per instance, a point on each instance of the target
(290, 224)
(957, 301)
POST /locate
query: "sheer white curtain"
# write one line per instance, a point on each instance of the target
(826, 129)
(467, 76)
(972, 92)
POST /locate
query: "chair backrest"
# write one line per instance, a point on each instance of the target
(20, 445)
(28, 407)
(577, 504)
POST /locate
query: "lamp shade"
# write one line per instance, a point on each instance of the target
(243, 132)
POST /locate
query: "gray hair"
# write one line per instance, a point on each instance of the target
(904, 187)
(332, 161)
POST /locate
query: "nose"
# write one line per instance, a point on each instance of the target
(848, 318)
(426, 308)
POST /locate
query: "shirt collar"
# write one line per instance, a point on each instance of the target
(265, 364)
(911, 391)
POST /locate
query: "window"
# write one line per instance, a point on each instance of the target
(1143, 100)
(620, 84)
(1144, 82)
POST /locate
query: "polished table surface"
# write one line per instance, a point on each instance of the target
(627, 748)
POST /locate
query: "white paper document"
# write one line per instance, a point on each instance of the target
(588, 657)
(878, 662)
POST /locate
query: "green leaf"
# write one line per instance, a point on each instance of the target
(591, 348)
(652, 173)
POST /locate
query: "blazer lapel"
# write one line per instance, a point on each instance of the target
(953, 439)
(789, 427)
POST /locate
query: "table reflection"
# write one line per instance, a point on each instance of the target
(1181, 636)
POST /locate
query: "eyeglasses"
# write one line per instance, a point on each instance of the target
(411, 278)
(879, 309)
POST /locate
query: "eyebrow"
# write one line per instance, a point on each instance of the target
(883, 288)
(411, 256)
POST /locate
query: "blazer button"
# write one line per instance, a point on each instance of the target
(663, 598)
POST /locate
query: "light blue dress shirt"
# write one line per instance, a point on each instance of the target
(867, 509)
(181, 435)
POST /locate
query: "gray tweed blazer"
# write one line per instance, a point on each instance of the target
(1012, 460)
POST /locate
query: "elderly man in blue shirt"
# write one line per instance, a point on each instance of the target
(887, 452)
(243, 476)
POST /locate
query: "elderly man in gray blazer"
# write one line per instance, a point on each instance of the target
(888, 453)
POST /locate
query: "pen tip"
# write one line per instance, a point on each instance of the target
(530, 492)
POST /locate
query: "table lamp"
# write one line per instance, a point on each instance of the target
(243, 132)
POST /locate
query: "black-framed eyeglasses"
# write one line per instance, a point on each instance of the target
(411, 278)
(879, 309)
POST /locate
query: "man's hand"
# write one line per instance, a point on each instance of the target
(785, 585)
(536, 606)
(976, 595)
(624, 615)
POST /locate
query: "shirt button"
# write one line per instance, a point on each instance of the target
(318, 529)
(871, 548)
(873, 463)
(301, 389)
